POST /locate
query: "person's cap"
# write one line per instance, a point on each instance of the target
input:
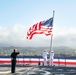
(45, 51)
(52, 51)
(15, 49)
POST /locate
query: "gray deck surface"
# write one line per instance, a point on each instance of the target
(38, 70)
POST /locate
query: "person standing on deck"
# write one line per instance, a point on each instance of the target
(51, 58)
(13, 60)
(44, 55)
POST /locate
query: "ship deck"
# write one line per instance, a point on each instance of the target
(38, 70)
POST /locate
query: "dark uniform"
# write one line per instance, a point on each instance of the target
(13, 60)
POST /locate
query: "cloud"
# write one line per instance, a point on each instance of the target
(16, 36)
(12, 36)
(64, 37)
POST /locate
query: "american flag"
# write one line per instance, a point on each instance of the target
(42, 27)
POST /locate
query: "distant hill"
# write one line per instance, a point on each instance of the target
(37, 50)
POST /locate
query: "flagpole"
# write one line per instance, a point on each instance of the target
(51, 35)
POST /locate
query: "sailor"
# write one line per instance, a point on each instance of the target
(51, 58)
(44, 55)
(13, 60)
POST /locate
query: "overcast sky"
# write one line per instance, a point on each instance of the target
(16, 16)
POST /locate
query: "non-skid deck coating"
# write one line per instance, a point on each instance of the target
(39, 70)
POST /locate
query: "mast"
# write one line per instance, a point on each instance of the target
(52, 35)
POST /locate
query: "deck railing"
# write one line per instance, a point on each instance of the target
(38, 60)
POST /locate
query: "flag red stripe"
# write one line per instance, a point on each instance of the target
(46, 32)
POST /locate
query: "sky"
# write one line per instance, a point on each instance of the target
(17, 16)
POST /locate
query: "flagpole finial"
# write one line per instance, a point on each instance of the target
(53, 10)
